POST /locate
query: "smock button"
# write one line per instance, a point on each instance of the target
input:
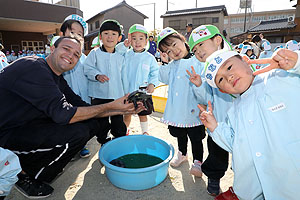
(258, 154)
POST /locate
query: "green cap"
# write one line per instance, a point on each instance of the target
(164, 33)
(53, 40)
(137, 28)
(205, 32)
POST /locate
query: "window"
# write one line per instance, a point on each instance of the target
(32, 45)
(97, 25)
(175, 24)
(215, 20)
(199, 21)
(225, 21)
(90, 27)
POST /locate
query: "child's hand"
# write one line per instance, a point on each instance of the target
(127, 42)
(208, 118)
(164, 57)
(194, 77)
(102, 78)
(150, 88)
(282, 59)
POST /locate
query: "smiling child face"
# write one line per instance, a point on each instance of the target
(234, 76)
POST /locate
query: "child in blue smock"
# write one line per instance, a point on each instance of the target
(103, 67)
(3, 59)
(78, 82)
(140, 70)
(262, 130)
(9, 169)
(267, 52)
(205, 40)
(181, 109)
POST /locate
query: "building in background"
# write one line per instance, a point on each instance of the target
(27, 25)
(122, 12)
(234, 23)
(178, 19)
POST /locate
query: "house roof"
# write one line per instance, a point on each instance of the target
(269, 25)
(123, 3)
(196, 11)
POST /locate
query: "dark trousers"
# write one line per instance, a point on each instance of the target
(45, 148)
(216, 163)
(116, 125)
(196, 135)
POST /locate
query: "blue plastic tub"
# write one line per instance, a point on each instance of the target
(136, 179)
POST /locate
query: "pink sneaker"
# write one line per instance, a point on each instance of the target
(178, 159)
(196, 169)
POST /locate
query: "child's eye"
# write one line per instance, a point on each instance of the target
(174, 44)
(229, 68)
(220, 80)
(168, 52)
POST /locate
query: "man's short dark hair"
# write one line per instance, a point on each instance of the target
(151, 36)
(68, 25)
(190, 25)
(64, 37)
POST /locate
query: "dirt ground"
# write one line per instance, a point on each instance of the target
(85, 178)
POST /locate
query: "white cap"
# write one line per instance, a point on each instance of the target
(79, 19)
(292, 45)
(95, 42)
(246, 48)
(266, 45)
(213, 64)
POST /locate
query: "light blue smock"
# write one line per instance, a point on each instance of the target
(3, 60)
(139, 68)
(77, 80)
(9, 168)
(262, 133)
(104, 63)
(181, 109)
(265, 54)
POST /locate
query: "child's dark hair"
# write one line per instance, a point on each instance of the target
(167, 41)
(68, 25)
(110, 25)
(222, 44)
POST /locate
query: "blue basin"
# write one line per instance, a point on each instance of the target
(136, 179)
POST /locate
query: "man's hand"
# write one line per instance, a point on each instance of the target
(102, 78)
(282, 59)
(194, 77)
(123, 107)
(150, 88)
(208, 118)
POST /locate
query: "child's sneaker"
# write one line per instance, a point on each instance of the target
(32, 188)
(85, 152)
(196, 169)
(178, 160)
(213, 187)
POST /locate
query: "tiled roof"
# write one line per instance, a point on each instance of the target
(269, 25)
(123, 3)
(196, 11)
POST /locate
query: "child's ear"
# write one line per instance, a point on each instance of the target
(61, 34)
(52, 48)
(120, 38)
(218, 40)
(100, 38)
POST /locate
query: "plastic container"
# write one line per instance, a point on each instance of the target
(136, 179)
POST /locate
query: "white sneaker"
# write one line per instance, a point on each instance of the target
(196, 169)
(178, 160)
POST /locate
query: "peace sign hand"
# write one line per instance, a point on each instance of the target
(194, 77)
(282, 59)
(207, 117)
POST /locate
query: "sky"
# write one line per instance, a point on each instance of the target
(93, 7)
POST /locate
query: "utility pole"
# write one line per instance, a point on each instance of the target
(146, 5)
(167, 5)
(196, 4)
(245, 16)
